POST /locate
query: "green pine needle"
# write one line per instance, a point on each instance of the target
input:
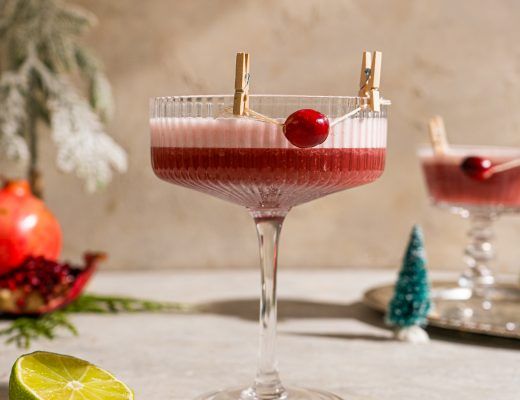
(93, 303)
(24, 330)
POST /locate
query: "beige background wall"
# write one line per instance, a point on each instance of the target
(457, 58)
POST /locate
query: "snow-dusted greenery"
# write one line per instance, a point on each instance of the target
(41, 58)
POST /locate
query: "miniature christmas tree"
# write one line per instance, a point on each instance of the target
(409, 307)
(41, 56)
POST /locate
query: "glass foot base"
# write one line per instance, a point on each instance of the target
(289, 394)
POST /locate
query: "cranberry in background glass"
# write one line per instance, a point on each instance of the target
(306, 128)
(476, 167)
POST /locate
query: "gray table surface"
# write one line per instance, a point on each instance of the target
(327, 339)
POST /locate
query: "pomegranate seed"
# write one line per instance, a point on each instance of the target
(37, 274)
(306, 128)
(476, 167)
(34, 281)
(55, 284)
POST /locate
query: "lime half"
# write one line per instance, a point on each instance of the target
(49, 376)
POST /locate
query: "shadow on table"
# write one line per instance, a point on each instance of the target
(4, 391)
(247, 309)
(473, 339)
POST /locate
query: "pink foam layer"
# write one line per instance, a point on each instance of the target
(250, 133)
(456, 154)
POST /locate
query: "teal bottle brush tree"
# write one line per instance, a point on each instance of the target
(410, 304)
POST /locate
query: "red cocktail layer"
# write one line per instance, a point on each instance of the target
(268, 177)
(448, 184)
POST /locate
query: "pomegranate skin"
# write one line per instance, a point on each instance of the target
(91, 263)
(40, 286)
(27, 227)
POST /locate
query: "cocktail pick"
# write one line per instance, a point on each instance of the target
(438, 135)
(481, 168)
(370, 79)
(497, 168)
(241, 99)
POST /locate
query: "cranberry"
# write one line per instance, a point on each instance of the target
(476, 167)
(306, 128)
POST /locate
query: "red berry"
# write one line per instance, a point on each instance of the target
(476, 167)
(306, 128)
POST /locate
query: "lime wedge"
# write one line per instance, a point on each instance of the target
(49, 376)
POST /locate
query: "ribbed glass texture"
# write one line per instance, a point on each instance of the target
(196, 143)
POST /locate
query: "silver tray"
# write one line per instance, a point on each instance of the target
(455, 309)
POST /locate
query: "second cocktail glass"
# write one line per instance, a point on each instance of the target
(479, 200)
(195, 143)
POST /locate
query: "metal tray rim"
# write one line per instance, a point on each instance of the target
(372, 298)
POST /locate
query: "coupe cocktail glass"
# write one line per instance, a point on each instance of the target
(481, 201)
(250, 163)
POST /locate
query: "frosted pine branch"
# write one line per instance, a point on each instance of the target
(83, 146)
(100, 92)
(39, 39)
(13, 116)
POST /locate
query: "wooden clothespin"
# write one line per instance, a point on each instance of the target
(241, 99)
(370, 78)
(364, 76)
(438, 135)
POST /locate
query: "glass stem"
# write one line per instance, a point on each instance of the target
(267, 385)
(479, 252)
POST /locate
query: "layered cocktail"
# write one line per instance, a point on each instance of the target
(336, 143)
(251, 163)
